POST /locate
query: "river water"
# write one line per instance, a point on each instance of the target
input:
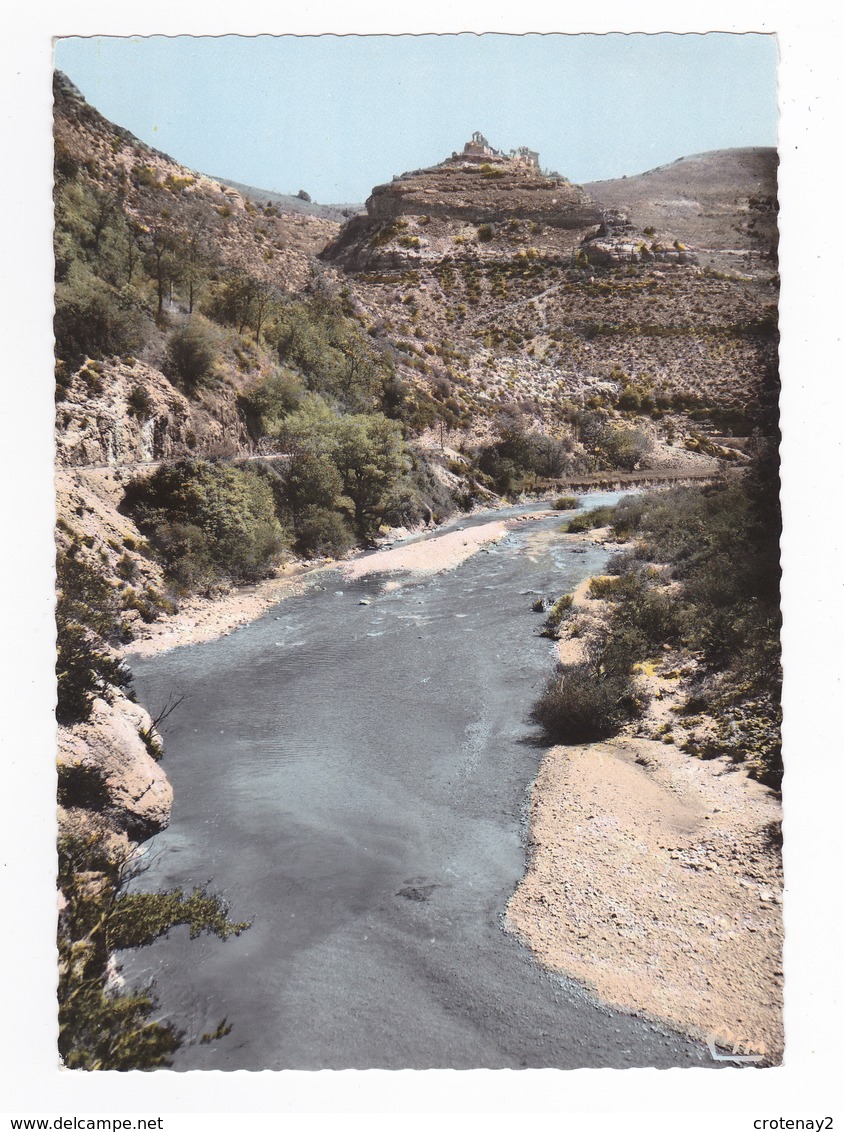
(353, 779)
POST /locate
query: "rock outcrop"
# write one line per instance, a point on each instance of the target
(504, 285)
(723, 202)
(434, 214)
(123, 412)
(494, 189)
(108, 775)
(618, 242)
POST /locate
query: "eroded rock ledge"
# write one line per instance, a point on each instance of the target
(110, 784)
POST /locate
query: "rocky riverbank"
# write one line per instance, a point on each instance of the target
(654, 877)
(203, 619)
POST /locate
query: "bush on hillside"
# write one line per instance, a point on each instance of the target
(193, 352)
(210, 522)
(94, 319)
(87, 623)
(582, 705)
(278, 394)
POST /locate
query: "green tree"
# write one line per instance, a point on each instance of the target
(87, 622)
(160, 241)
(100, 1028)
(369, 454)
(94, 319)
(278, 394)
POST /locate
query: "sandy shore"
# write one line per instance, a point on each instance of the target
(203, 619)
(442, 552)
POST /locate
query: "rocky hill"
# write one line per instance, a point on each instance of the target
(520, 288)
(120, 200)
(480, 331)
(277, 244)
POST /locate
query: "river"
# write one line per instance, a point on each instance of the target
(353, 779)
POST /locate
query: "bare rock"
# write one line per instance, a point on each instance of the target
(106, 768)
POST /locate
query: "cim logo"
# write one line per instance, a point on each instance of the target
(742, 1049)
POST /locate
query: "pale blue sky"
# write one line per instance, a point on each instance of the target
(336, 115)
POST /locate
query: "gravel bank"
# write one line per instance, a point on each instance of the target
(651, 879)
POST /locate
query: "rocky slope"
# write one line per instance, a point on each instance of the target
(515, 287)
(491, 284)
(266, 239)
(287, 203)
(123, 412)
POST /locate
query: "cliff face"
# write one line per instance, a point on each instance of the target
(134, 416)
(109, 780)
(485, 191)
(124, 413)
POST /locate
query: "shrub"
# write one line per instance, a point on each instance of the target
(582, 705)
(139, 403)
(99, 1027)
(87, 621)
(192, 354)
(320, 531)
(589, 520)
(603, 587)
(565, 503)
(279, 393)
(209, 521)
(147, 176)
(94, 318)
(126, 568)
(558, 611)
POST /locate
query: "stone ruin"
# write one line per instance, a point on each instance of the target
(479, 149)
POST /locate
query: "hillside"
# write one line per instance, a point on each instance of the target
(723, 201)
(516, 288)
(267, 241)
(287, 202)
(244, 386)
